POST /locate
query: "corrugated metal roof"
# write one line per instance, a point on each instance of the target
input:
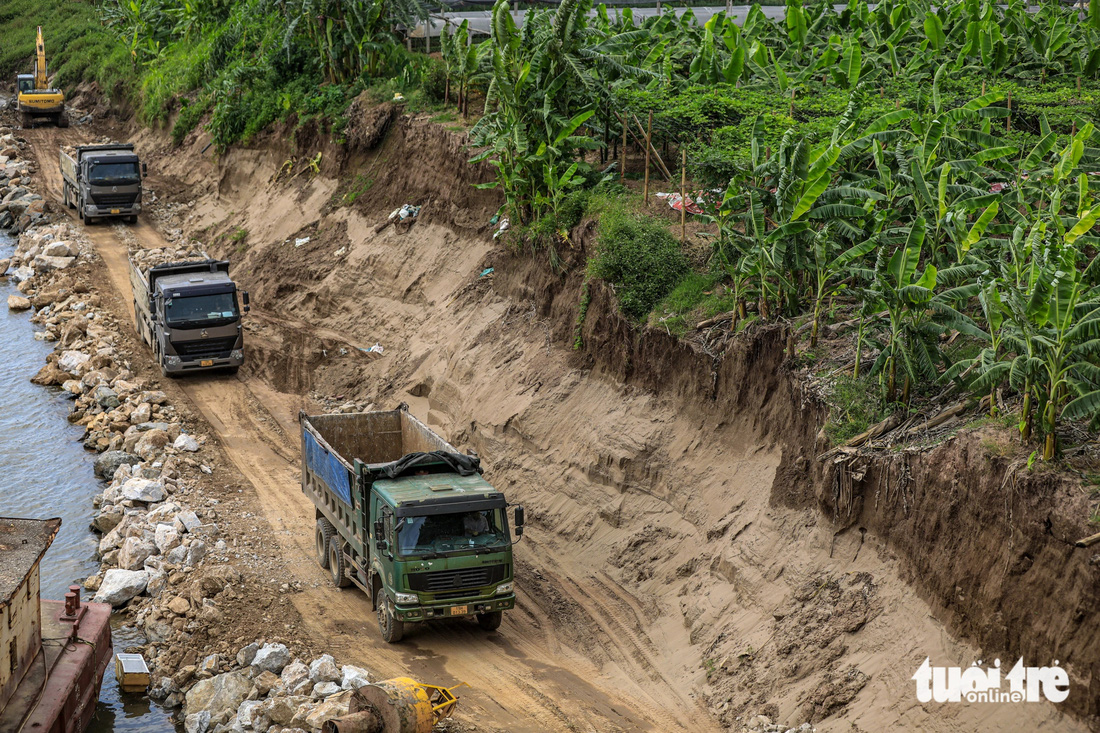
(22, 543)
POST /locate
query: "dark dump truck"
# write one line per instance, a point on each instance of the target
(188, 315)
(407, 518)
(102, 181)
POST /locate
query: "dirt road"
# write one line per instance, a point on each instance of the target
(524, 678)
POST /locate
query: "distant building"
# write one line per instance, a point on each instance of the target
(51, 687)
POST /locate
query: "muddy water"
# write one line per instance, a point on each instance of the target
(45, 472)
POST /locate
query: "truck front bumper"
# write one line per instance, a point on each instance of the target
(459, 608)
(93, 210)
(177, 365)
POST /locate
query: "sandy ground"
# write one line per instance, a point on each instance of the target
(657, 588)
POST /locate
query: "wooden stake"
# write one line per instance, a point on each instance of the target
(683, 193)
(648, 147)
(660, 160)
(622, 169)
(983, 87)
(1088, 541)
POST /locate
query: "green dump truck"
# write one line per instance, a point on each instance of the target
(407, 518)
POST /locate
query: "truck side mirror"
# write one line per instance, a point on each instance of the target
(244, 299)
(144, 170)
(520, 516)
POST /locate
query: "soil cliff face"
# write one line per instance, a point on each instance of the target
(685, 538)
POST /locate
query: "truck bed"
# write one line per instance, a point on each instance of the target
(376, 438)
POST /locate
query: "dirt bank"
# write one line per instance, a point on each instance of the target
(679, 573)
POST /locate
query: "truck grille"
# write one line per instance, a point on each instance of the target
(449, 581)
(113, 199)
(206, 348)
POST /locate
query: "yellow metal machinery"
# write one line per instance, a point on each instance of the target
(34, 98)
(400, 705)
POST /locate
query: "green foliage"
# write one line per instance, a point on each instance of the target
(853, 408)
(640, 258)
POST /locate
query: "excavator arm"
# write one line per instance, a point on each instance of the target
(40, 81)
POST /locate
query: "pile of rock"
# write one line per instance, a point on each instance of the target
(263, 690)
(20, 208)
(764, 724)
(146, 258)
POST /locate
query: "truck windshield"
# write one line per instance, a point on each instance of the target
(201, 309)
(445, 533)
(114, 174)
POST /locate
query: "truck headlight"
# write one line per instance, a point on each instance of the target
(236, 354)
(406, 599)
(170, 360)
(504, 589)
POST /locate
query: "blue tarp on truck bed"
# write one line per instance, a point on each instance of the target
(327, 467)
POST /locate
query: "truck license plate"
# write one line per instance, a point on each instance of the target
(206, 362)
(114, 211)
(458, 610)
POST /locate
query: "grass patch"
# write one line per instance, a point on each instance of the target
(358, 187)
(853, 407)
(698, 296)
(639, 257)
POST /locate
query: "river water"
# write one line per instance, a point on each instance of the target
(45, 472)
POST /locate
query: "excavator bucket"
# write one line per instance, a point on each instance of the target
(400, 705)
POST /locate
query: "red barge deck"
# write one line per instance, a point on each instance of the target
(56, 651)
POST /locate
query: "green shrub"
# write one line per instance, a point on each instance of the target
(640, 258)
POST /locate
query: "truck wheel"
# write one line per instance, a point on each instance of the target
(392, 629)
(132, 218)
(325, 530)
(336, 564)
(490, 621)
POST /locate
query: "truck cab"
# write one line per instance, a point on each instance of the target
(188, 313)
(103, 181)
(442, 548)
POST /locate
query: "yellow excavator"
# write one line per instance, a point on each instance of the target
(34, 98)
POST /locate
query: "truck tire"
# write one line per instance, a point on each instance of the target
(132, 218)
(490, 621)
(325, 531)
(336, 565)
(392, 629)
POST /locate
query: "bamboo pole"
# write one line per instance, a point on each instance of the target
(660, 161)
(622, 168)
(648, 147)
(683, 193)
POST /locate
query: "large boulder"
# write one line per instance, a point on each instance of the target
(106, 397)
(335, 706)
(51, 376)
(143, 489)
(187, 443)
(354, 677)
(18, 303)
(107, 463)
(324, 669)
(119, 586)
(197, 722)
(42, 263)
(151, 444)
(20, 274)
(187, 521)
(218, 694)
(72, 361)
(60, 249)
(107, 518)
(166, 537)
(134, 552)
(271, 658)
(295, 674)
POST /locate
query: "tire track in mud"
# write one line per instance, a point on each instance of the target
(523, 679)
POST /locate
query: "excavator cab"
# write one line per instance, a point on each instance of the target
(24, 83)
